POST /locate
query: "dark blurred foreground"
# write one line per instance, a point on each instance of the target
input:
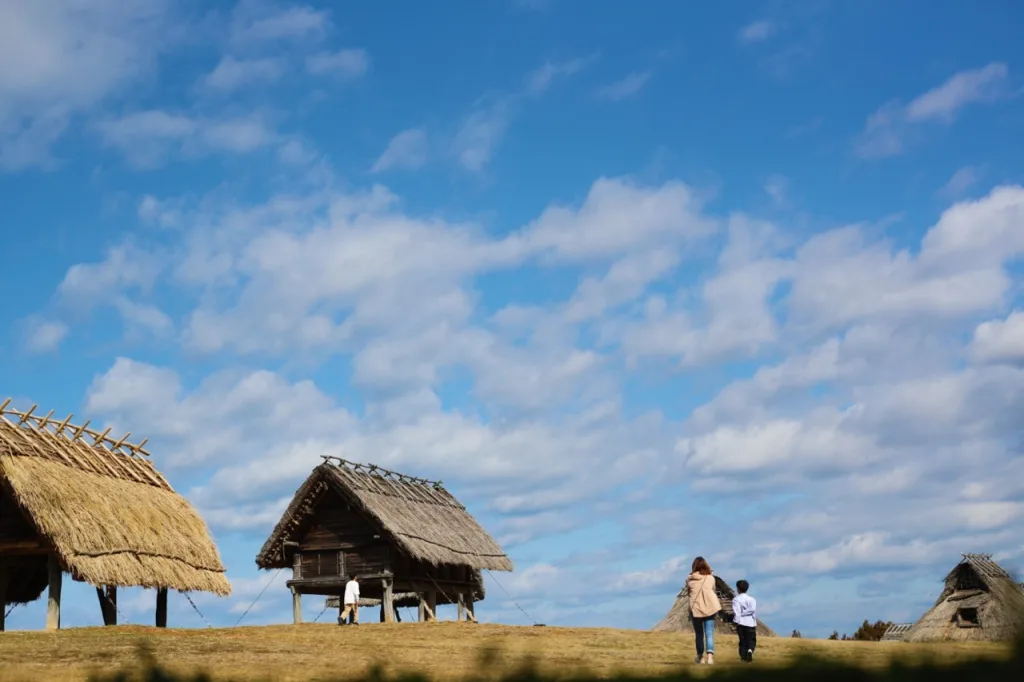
(808, 669)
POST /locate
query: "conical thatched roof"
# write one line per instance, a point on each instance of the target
(102, 507)
(423, 519)
(979, 601)
(678, 617)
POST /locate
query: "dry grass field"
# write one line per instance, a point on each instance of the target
(440, 650)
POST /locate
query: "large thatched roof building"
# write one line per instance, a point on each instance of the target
(402, 535)
(678, 617)
(980, 601)
(78, 501)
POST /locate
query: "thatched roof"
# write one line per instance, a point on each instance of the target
(980, 601)
(422, 518)
(678, 617)
(103, 508)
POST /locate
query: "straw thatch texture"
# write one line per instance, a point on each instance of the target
(678, 617)
(109, 516)
(994, 599)
(422, 518)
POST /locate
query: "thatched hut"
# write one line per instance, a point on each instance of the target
(980, 601)
(678, 617)
(407, 538)
(78, 501)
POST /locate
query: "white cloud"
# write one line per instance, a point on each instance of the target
(255, 22)
(542, 79)
(345, 64)
(962, 180)
(146, 138)
(629, 86)
(777, 187)
(976, 86)
(408, 149)
(479, 134)
(231, 74)
(618, 216)
(757, 31)
(887, 129)
(71, 57)
(45, 336)
(999, 340)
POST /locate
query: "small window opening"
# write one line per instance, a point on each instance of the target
(967, 618)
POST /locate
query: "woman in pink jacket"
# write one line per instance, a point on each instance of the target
(704, 607)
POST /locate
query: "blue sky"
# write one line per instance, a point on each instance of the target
(636, 283)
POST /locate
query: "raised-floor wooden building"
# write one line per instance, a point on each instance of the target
(77, 501)
(402, 535)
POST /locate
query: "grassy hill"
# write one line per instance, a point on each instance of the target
(441, 650)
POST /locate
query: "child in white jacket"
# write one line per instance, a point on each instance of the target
(744, 614)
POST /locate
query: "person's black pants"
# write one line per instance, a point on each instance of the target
(748, 641)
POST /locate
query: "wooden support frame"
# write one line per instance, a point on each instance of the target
(470, 609)
(4, 579)
(388, 601)
(56, 574)
(107, 596)
(161, 607)
(296, 607)
(462, 607)
(428, 603)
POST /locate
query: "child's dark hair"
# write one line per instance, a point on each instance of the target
(742, 586)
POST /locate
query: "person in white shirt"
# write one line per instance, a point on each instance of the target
(351, 601)
(744, 614)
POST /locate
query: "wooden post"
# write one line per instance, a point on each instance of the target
(470, 611)
(53, 600)
(102, 598)
(112, 604)
(161, 607)
(107, 595)
(388, 601)
(3, 594)
(462, 607)
(422, 614)
(432, 604)
(296, 607)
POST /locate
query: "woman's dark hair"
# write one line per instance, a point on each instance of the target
(700, 565)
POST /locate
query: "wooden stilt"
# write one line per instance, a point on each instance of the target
(432, 604)
(3, 594)
(102, 598)
(53, 600)
(422, 613)
(296, 607)
(462, 607)
(112, 604)
(470, 610)
(388, 602)
(161, 607)
(107, 596)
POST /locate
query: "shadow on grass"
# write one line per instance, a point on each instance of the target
(490, 668)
